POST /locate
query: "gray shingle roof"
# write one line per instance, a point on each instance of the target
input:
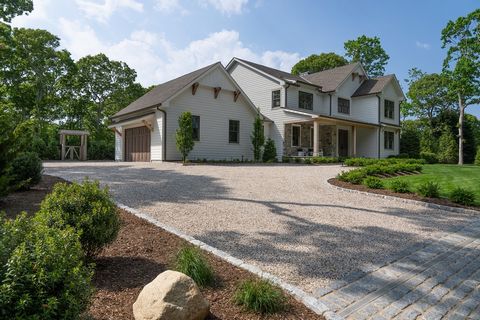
(279, 74)
(330, 79)
(163, 92)
(372, 86)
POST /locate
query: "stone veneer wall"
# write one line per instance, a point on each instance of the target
(328, 139)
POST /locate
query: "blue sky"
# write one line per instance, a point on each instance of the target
(163, 39)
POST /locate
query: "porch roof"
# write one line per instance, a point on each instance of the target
(316, 117)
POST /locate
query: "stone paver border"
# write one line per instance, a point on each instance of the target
(416, 202)
(309, 301)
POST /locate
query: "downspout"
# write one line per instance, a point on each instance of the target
(164, 133)
(380, 127)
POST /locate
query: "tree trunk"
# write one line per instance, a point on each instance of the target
(460, 129)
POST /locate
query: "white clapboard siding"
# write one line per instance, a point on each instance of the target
(391, 94)
(367, 142)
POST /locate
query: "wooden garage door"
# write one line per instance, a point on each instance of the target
(137, 144)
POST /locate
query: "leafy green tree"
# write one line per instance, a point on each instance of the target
(410, 139)
(369, 52)
(319, 62)
(462, 39)
(428, 94)
(269, 151)
(447, 147)
(257, 138)
(477, 157)
(184, 135)
(9, 9)
(7, 145)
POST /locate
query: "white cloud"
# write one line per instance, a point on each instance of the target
(169, 6)
(157, 60)
(39, 13)
(227, 6)
(103, 11)
(422, 45)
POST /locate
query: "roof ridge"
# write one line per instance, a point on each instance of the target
(345, 65)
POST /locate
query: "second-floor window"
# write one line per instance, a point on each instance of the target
(234, 131)
(305, 100)
(276, 99)
(388, 139)
(343, 106)
(196, 128)
(389, 109)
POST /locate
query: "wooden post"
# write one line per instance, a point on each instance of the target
(85, 139)
(62, 142)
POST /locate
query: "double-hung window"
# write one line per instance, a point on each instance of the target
(276, 99)
(389, 107)
(233, 131)
(305, 100)
(343, 106)
(196, 128)
(388, 140)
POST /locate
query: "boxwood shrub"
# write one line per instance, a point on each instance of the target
(42, 274)
(353, 176)
(373, 182)
(462, 196)
(87, 208)
(26, 171)
(400, 186)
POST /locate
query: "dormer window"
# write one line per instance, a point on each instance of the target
(305, 100)
(276, 99)
(343, 106)
(389, 107)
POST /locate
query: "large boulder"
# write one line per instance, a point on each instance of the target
(173, 296)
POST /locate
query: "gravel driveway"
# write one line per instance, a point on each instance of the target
(285, 219)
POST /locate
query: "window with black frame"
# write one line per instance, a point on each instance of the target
(196, 128)
(343, 106)
(389, 107)
(276, 99)
(305, 100)
(388, 137)
(233, 131)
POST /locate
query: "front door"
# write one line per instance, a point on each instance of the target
(342, 143)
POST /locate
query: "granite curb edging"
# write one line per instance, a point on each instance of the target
(308, 300)
(410, 201)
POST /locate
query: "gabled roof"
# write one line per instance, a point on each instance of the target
(331, 79)
(163, 92)
(373, 86)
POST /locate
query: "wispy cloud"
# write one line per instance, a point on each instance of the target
(227, 7)
(102, 11)
(422, 45)
(169, 6)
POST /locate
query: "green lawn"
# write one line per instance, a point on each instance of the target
(448, 176)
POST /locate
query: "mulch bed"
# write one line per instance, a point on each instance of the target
(138, 255)
(386, 192)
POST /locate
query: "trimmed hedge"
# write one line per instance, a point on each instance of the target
(362, 162)
(373, 182)
(356, 176)
(311, 160)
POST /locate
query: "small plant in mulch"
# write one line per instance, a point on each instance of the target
(429, 189)
(373, 182)
(190, 261)
(462, 196)
(400, 186)
(354, 176)
(260, 296)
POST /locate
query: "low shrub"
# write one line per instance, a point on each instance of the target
(307, 161)
(87, 208)
(462, 196)
(42, 274)
(353, 176)
(191, 262)
(26, 171)
(400, 186)
(429, 189)
(260, 296)
(429, 157)
(269, 151)
(373, 182)
(298, 160)
(325, 160)
(363, 162)
(477, 158)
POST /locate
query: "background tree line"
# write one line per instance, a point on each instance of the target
(435, 125)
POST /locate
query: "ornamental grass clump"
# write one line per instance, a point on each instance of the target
(373, 182)
(462, 196)
(260, 296)
(429, 189)
(400, 186)
(87, 208)
(190, 261)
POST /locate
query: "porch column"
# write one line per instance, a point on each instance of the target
(354, 134)
(315, 138)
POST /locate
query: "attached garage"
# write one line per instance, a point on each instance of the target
(137, 144)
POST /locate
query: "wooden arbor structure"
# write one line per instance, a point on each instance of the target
(70, 152)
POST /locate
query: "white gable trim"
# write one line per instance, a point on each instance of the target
(348, 76)
(246, 65)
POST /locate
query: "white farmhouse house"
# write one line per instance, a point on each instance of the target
(337, 112)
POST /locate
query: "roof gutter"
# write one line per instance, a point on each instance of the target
(164, 132)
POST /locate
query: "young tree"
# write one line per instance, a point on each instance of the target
(257, 138)
(369, 52)
(462, 38)
(447, 147)
(319, 62)
(269, 152)
(410, 139)
(184, 135)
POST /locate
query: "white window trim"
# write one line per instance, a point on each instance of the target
(393, 142)
(299, 136)
(385, 109)
(238, 133)
(271, 99)
(311, 109)
(349, 106)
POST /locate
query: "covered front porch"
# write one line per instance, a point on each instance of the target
(330, 138)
